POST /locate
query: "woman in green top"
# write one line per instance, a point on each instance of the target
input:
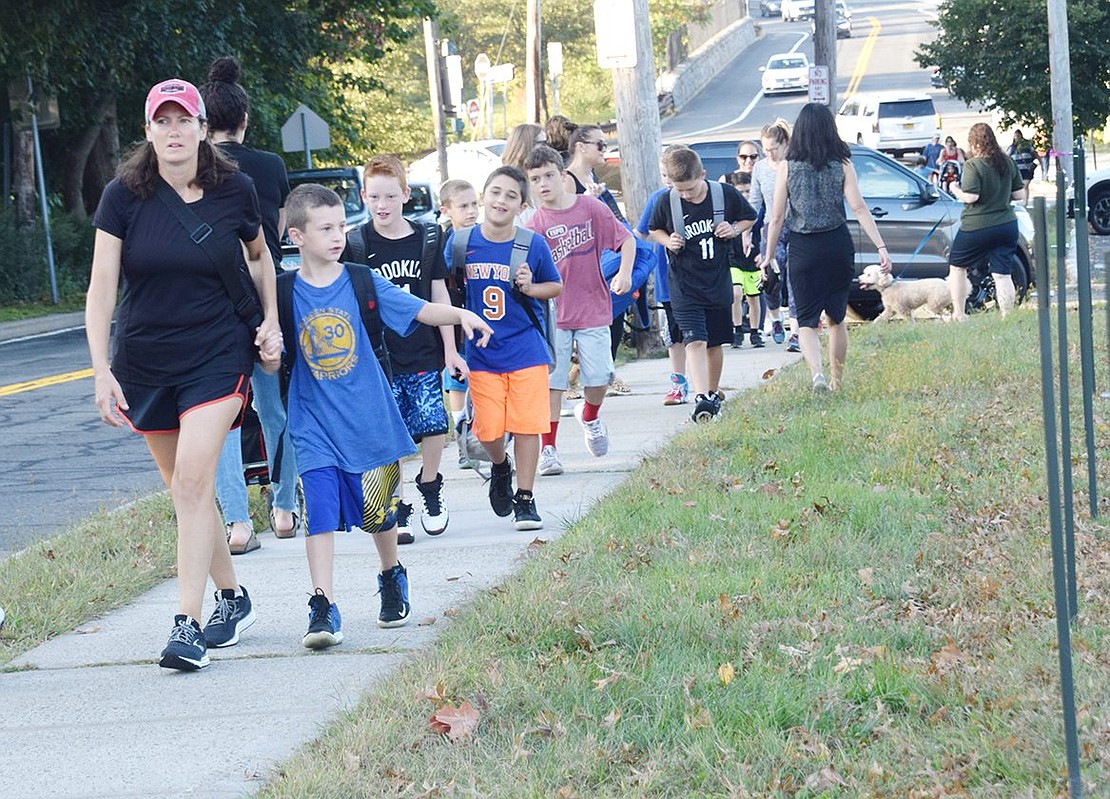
(988, 225)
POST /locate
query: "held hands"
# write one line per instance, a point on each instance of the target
(109, 396)
(269, 342)
(471, 324)
(595, 189)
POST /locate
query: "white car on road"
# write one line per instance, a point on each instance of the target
(786, 72)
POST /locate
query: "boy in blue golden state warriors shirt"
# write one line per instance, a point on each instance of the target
(344, 423)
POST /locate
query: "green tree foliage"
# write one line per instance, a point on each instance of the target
(995, 53)
(102, 56)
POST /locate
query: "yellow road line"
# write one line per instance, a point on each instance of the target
(864, 56)
(43, 382)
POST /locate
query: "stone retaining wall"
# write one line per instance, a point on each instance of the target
(685, 81)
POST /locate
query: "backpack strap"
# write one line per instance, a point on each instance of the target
(363, 282)
(678, 222)
(460, 240)
(289, 356)
(430, 248)
(358, 246)
(522, 242)
(717, 201)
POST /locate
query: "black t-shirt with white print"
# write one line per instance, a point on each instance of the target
(698, 274)
(399, 262)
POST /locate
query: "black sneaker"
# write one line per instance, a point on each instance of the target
(232, 615)
(757, 339)
(501, 487)
(325, 625)
(404, 523)
(435, 517)
(186, 650)
(705, 408)
(737, 339)
(525, 516)
(393, 586)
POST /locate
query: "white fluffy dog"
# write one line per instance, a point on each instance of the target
(901, 297)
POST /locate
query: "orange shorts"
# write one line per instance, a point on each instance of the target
(513, 402)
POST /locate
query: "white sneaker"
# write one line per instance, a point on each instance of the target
(549, 462)
(595, 432)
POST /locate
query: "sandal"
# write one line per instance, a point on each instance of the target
(250, 545)
(289, 533)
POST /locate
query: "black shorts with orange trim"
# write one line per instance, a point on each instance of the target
(158, 409)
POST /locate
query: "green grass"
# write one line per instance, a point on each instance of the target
(32, 310)
(874, 566)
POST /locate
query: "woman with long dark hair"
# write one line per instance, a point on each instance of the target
(228, 110)
(810, 190)
(988, 224)
(182, 357)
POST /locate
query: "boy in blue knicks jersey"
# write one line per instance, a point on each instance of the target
(508, 378)
(343, 420)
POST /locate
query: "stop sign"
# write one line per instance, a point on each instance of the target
(472, 110)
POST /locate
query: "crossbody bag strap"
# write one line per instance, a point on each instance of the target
(199, 231)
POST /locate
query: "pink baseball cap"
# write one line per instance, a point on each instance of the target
(177, 91)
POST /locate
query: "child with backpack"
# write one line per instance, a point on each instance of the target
(332, 316)
(577, 228)
(509, 277)
(697, 226)
(410, 255)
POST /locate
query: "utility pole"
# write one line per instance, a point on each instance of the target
(824, 42)
(638, 131)
(435, 91)
(1060, 84)
(533, 77)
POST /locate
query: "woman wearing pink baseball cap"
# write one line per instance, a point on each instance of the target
(177, 214)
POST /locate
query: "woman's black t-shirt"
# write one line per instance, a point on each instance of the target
(271, 183)
(175, 317)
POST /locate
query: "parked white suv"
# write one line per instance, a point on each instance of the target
(891, 122)
(794, 10)
(1098, 201)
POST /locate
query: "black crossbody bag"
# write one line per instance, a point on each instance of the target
(233, 274)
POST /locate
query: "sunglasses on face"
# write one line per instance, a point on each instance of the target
(600, 145)
(748, 156)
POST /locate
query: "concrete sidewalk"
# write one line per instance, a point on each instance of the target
(90, 714)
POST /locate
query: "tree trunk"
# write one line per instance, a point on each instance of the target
(78, 161)
(23, 178)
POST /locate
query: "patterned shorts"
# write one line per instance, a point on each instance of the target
(335, 500)
(419, 397)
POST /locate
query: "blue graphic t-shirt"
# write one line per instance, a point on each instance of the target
(341, 408)
(515, 343)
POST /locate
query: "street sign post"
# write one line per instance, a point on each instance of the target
(819, 84)
(615, 26)
(305, 130)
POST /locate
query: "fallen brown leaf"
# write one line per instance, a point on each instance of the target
(611, 718)
(726, 672)
(457, 723)
(768, 374)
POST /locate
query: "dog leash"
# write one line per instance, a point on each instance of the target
(920, 246)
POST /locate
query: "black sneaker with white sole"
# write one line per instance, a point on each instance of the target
(393, 586)
(232, 615)
(435, 516)
(325, 625)
(525, 516)
(501, 487)
(705, 408)
(186, 649)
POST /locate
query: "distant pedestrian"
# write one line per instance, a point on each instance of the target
(183, 356)
(348, 430)
(780, 299)
(521, 142)
(988, 224)
(1021, 150)
(509, 377)
(558, 129)
(697, 235)
(931, 152)
(577, 229)
(228, 108)
(459, 203)
(746, 290)
(813, 185)
(747, 153)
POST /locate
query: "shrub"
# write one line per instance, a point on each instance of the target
(24, 274)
